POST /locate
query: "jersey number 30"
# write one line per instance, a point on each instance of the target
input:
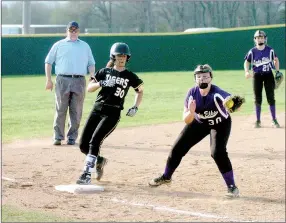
(119, 92)
(216, 121)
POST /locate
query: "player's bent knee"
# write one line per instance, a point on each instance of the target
(258, 103)
(217, 156)
(271, 102)
(84, 148)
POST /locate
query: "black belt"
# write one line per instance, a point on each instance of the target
(263, 72)
(71, 76)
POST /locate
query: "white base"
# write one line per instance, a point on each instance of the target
(80, 189)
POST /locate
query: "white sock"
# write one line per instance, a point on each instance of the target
(89, 163)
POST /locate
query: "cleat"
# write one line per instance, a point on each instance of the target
(100, 163)
(57, 142)
(84, 179)
(159, 181)
(275, 123)
(232, 191)
(257, 124)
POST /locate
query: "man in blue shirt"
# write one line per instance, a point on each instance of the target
(72, 58)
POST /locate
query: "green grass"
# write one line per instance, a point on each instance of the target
(13, 214)
(28, 110)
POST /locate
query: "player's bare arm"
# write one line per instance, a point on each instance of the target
(246, 69)
(93, 86)
(189, 113)
(138, 99)
(188, 117)
(276, 63)
(138, 96)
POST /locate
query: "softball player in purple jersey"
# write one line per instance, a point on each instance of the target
(263, 60)
(204, 114)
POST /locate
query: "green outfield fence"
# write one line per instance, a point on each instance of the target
(223, 50)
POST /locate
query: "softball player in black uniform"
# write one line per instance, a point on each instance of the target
(105, 115)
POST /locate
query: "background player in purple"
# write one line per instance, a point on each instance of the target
(263, 60)
(204, 113)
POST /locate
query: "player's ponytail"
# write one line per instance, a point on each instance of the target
(110, 64)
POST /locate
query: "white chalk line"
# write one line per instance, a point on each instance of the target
(8, 179)
(177, 211)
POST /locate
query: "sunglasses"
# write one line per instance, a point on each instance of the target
(71, 30)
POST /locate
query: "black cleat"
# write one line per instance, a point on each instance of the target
(159, 181)
(275, 123)
(257, 124)
(84, 179)
(232, 191)
(100, 163)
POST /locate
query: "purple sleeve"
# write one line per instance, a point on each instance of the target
(190, 92)
(248, 56)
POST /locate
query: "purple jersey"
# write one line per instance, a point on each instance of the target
(261, 60)
(209, 108)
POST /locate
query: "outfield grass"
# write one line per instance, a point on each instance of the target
(28, 110)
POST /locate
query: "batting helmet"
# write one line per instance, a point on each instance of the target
(120, 49)
(260, 33)
(203, 69)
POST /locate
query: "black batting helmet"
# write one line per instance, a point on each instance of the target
(120, 49)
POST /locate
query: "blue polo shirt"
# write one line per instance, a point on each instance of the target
(70, 57)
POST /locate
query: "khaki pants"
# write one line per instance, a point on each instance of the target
(69, 93)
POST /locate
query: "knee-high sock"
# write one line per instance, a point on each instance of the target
(273, 111)
(228, 178)
(168, 172)
(89, 163)
(258, 112)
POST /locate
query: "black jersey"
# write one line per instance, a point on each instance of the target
(115, 96)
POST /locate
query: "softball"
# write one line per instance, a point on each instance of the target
(229, 104)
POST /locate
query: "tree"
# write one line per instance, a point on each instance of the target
(204, 6)
(253, 13)
(165, 12)
(40, 12)
(232, 12)
(12, 14)
(149, 16)
(102, 9)
(268, 18)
